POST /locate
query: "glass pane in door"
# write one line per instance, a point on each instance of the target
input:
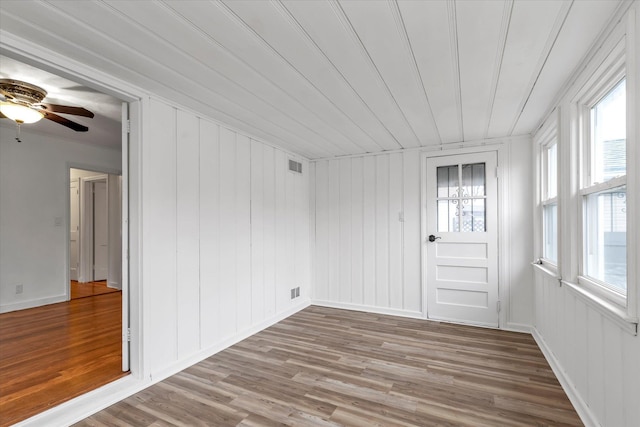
(448, 181)
(473, 180)
(448, 216)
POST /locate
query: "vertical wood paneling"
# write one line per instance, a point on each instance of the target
(597, 356)
(243, 231)
(631, 389)
(357, 226)
(382, 231)
(364, 255)
(188, 232)
(282, 276)
(569, 336)
(311, 194)
(595, 364)
(209, 232)
(269, 224)
(411, 236)
(257, 232)
(159, 236)
(581, 347)
(369, 231)
(290, 226)
(396, 282)
(613, 374)
(302, 259)
(333, 229)
(228, 280)
(344, 230)
(321, 260)
(225, 231)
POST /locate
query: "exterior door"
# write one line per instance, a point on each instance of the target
(462, 243)
(74, 230)
(100, 231)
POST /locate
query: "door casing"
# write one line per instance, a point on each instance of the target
(502, 150)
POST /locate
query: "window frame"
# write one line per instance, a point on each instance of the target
(598, 88)
(546, 145)
(544, 140)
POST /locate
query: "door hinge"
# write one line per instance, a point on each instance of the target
(497, 172)
(127, 335)
(128, 126)
(498, 306)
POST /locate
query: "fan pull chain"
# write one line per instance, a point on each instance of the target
(18, 132)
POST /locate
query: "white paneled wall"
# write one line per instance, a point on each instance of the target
(599, 362)
(367, 233)
(365, 256)
(225, 236)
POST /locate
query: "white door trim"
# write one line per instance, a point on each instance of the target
(86, 225)
(503, 150)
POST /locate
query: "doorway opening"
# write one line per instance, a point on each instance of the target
(95, 233)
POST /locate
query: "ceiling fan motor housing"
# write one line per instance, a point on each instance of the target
(22, 92)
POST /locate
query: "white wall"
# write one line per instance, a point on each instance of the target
(597, 361)
(594, 352)
(225, 236)
(366, 258)
(34, 188)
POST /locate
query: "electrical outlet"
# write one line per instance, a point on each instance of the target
(293, 293)
(19, 289)
(297, 291)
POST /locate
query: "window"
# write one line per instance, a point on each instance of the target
(604, 191)
(461, 207)
(550, 200)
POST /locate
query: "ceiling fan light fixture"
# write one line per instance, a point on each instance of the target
(20, 113)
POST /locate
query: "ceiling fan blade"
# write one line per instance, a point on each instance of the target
(65, 122)
(64, 109)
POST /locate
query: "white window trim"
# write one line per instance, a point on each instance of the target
(544, 140)
(607, 76)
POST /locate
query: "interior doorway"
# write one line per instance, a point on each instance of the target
(95, 230)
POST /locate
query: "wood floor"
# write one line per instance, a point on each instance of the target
(328, 367)
(90, 289)
(54, 353)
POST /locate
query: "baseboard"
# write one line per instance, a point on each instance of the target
(84, 406)
(370, 309)
(226, 343)
(23, 305)
(581, 407)
(113, 284)
(517, 327)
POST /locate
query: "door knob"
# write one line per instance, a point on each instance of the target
(433, 238)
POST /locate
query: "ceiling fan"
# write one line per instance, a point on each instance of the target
(23, 104)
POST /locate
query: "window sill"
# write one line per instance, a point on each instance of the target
(546, 269)
(613, 311)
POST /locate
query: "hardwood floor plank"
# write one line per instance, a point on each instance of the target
(51, 354)
(329, 367)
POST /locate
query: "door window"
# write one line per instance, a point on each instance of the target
(461, 198)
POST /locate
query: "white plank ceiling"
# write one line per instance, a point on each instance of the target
(332, 78)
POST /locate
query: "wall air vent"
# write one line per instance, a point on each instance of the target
(295, 166)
